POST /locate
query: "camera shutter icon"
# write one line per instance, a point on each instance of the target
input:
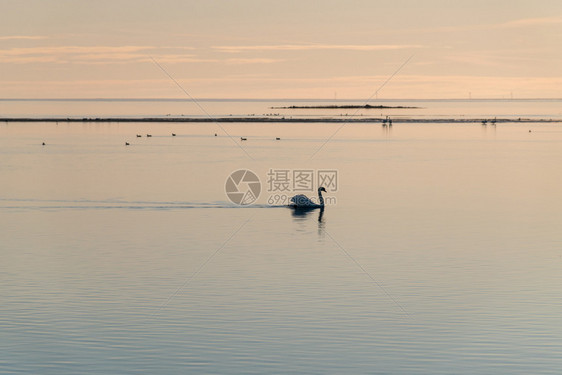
(243, 187)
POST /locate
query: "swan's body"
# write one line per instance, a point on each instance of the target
(302, 201)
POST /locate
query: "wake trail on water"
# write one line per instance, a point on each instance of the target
(112, 204)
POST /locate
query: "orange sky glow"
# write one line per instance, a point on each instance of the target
(266, 49)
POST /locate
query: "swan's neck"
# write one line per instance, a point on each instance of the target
(320, 198)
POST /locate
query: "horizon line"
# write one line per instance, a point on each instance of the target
(124, 99)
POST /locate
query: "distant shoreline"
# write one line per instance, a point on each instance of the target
(277, 119)
(366, 106)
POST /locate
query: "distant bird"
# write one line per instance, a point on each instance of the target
(149, 135)
(127, 143)
(493, 121)
(139, 136)
(529, 132)
(173, 134)
(277, 139)
(215, 134)
(484, 122)
(43, 144)
(243, 139)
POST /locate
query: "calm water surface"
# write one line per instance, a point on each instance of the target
(442, 255)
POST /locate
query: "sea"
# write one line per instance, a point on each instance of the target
(438, 250)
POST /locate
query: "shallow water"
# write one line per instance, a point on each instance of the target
(441, 253)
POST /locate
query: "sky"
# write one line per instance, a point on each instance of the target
(281, 49)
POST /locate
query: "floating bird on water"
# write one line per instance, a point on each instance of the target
(43, 144)
(149, 135)
(215, 134)
(303, 202)
(173, 134)
(127, 143)
(138, 135)
(243, 139)
(277, 139)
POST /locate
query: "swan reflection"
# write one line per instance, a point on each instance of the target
(304, 212)
(301, 215)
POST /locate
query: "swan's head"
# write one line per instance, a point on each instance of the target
(322, 189)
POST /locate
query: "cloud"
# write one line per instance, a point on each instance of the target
(308, 47)
(481, 58)
(22, 37)
(114, 55)
(179, 58)
(252, 61)
(65, 54)
(69, 50)
(520, 23)
(531, 22)
(172, 59)
(505, 59)
(94, 54)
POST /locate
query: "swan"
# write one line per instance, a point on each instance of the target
(302, 201)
